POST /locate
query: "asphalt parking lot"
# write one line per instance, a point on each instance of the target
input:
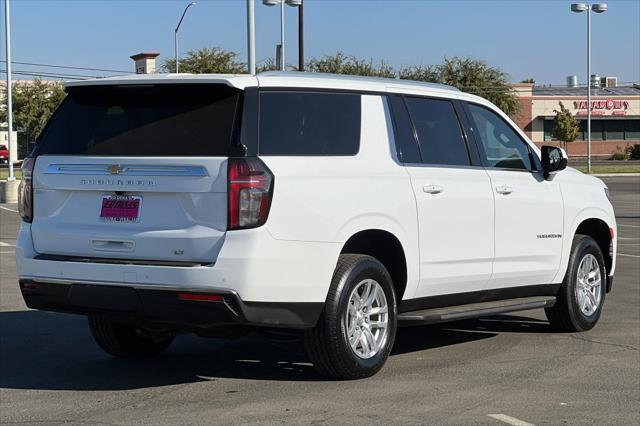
(487, 371)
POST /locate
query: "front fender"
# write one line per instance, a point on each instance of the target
(572, 226)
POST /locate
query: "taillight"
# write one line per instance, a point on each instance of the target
(250, 187)
(25, 190)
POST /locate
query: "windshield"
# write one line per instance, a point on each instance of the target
(161, 120)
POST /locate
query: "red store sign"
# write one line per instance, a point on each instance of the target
(608, 104)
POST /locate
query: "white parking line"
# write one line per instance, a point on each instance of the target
(628, 255)
(510, 420)
(8, 209)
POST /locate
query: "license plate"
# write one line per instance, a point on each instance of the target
(120, 208)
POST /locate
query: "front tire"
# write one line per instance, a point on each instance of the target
(581, 296)
(126, 341)
(356, 331)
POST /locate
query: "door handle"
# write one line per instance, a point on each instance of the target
(504, 189)
(433, 189)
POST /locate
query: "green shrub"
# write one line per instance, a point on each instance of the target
(619, 154)
(634, 152)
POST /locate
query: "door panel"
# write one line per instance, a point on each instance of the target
(528, 228)
(454, 200)
(528, 209)
(455, 219)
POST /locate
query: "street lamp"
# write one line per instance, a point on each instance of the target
(175, 34)
(293, 3)
(10, 142)
(597, 8)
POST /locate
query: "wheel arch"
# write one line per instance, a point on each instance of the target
(600, 231)
(387, 248)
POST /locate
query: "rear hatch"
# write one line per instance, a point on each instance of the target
(136, 173)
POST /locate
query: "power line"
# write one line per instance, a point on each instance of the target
(34, 64)
(49, 75)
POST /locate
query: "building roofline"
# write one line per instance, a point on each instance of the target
(144, 55)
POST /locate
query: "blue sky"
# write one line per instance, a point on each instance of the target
(539, 39)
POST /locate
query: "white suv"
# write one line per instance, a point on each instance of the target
(335, 207)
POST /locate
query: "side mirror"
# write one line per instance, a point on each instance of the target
(554, 159)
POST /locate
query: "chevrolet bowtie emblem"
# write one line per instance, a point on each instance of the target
(115, 169)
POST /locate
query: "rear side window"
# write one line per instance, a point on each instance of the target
(309, 123)
(162, 120)
(439, 132)
(408, 151)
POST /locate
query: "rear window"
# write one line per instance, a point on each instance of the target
(309, 123)
(439, 132)
(172, 120)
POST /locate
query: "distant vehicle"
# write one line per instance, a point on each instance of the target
(336, 207)
(4, 154)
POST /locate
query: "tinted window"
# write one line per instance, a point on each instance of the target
(143, 121)
(632, 129)
(503, 147)
(439, 132)
(308, 123)
(406, 145)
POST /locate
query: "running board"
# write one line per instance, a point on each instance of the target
(474, 310)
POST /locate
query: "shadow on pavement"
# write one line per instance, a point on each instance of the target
(41, 350)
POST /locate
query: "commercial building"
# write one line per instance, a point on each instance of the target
(615, 114)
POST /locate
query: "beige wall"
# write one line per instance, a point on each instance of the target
(626, 106)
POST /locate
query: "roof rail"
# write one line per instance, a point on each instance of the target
(332, 76)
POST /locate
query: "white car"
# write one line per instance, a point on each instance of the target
(336, 207)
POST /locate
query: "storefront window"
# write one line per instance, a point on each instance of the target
(614, 130)
(632, 129)
(608, 130)
(548, 130)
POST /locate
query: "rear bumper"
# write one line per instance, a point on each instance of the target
(251, 264)
(164, 308)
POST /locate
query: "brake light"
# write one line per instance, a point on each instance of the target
(250, 189)
(196, 297)
(25, 190)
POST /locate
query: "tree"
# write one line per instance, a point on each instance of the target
(207, 60)
(528, 80)
(469, 75)
(565, 126)
(340, 63)
(33, 104)
(269, 64)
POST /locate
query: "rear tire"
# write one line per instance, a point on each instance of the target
(353, 338)
(581, 296)
(126, 341)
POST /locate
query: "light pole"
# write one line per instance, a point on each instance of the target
(301, 36)
(597, 8)
(7, 38)
(251, 37)
(293, 3)
(175, 35)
